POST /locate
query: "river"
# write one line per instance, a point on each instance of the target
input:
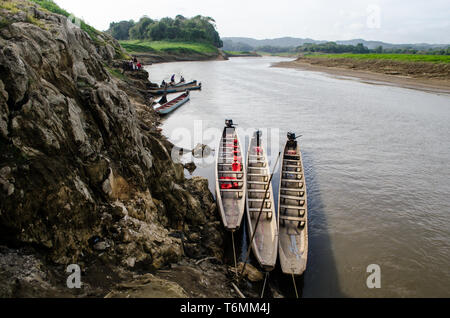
(377, 165)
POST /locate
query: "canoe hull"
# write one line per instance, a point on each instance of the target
(265, 244)
(165, 109)
(292, 208)
(176, 89)
(231, 202)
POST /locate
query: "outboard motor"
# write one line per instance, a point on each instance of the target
(258, 134)
(229, 123)
(292, 140)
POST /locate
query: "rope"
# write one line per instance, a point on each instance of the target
(234, 253)
(259, 216)
(264, 286)
(295, 285)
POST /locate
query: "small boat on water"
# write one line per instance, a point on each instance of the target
(193, 83)
(231, 183)
(292, 211)
(191, 86)
(265, 243)
(173, 104)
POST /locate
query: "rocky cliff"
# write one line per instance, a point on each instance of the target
(85, 176)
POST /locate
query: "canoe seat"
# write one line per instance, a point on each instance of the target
(291, 207)
(238, 191)
(287, 197)
(301, 221)
(254, 193)
(299, 184)
(298, 168)
(292, 172)
(254, 213)
(290, 197)
(251, 161)
(300, 192)
(296, 176)
(227, 164)
(267, 204)
(300, 210)
(293, 161)
(292, 181)
(258, 182)
(266, 178)
(231, 172)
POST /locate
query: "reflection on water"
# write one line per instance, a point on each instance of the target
(376, 163)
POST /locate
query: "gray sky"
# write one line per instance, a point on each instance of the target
(400, 21)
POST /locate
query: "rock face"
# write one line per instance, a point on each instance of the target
(81, 172)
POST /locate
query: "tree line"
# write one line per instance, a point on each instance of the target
(332, 47)
(196, 29)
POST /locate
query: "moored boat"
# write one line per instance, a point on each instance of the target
(173, 104)
(293, 211)
(192, 86)
(265, 243)
(231, 183)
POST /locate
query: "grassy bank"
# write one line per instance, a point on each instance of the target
(139, 46)
(241, 54)
(49, 5)
(392, 57)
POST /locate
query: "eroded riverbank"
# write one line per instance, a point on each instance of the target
(421, 76)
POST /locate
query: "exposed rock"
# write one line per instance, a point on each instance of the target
(23, 275)
(190, 166)
(81, 156)
(250, 272)
(201, 151)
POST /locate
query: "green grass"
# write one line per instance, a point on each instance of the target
(237, 52)
(394, 57)
(116, 73)
(10, 6)
(50, 6)
(33, 20)
(282, 54)
(139, 46)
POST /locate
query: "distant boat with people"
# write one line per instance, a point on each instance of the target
(180, 87)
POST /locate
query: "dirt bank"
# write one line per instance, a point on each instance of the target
(162, 57)
(423, 76)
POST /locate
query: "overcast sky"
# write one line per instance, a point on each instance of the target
(400, 21)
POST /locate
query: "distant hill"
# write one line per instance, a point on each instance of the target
(233, 43)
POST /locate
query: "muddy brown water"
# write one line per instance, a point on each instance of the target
(377, 165)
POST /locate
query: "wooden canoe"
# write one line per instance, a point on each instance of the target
(193, 83)
(192, 86)
(293, 212)
(173, 104)
(265, 244)
(231, 183)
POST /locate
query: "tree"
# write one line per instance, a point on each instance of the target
(196, 29)
(121, 30)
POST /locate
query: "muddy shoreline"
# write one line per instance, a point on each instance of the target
(400, 74)
(156, 58)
